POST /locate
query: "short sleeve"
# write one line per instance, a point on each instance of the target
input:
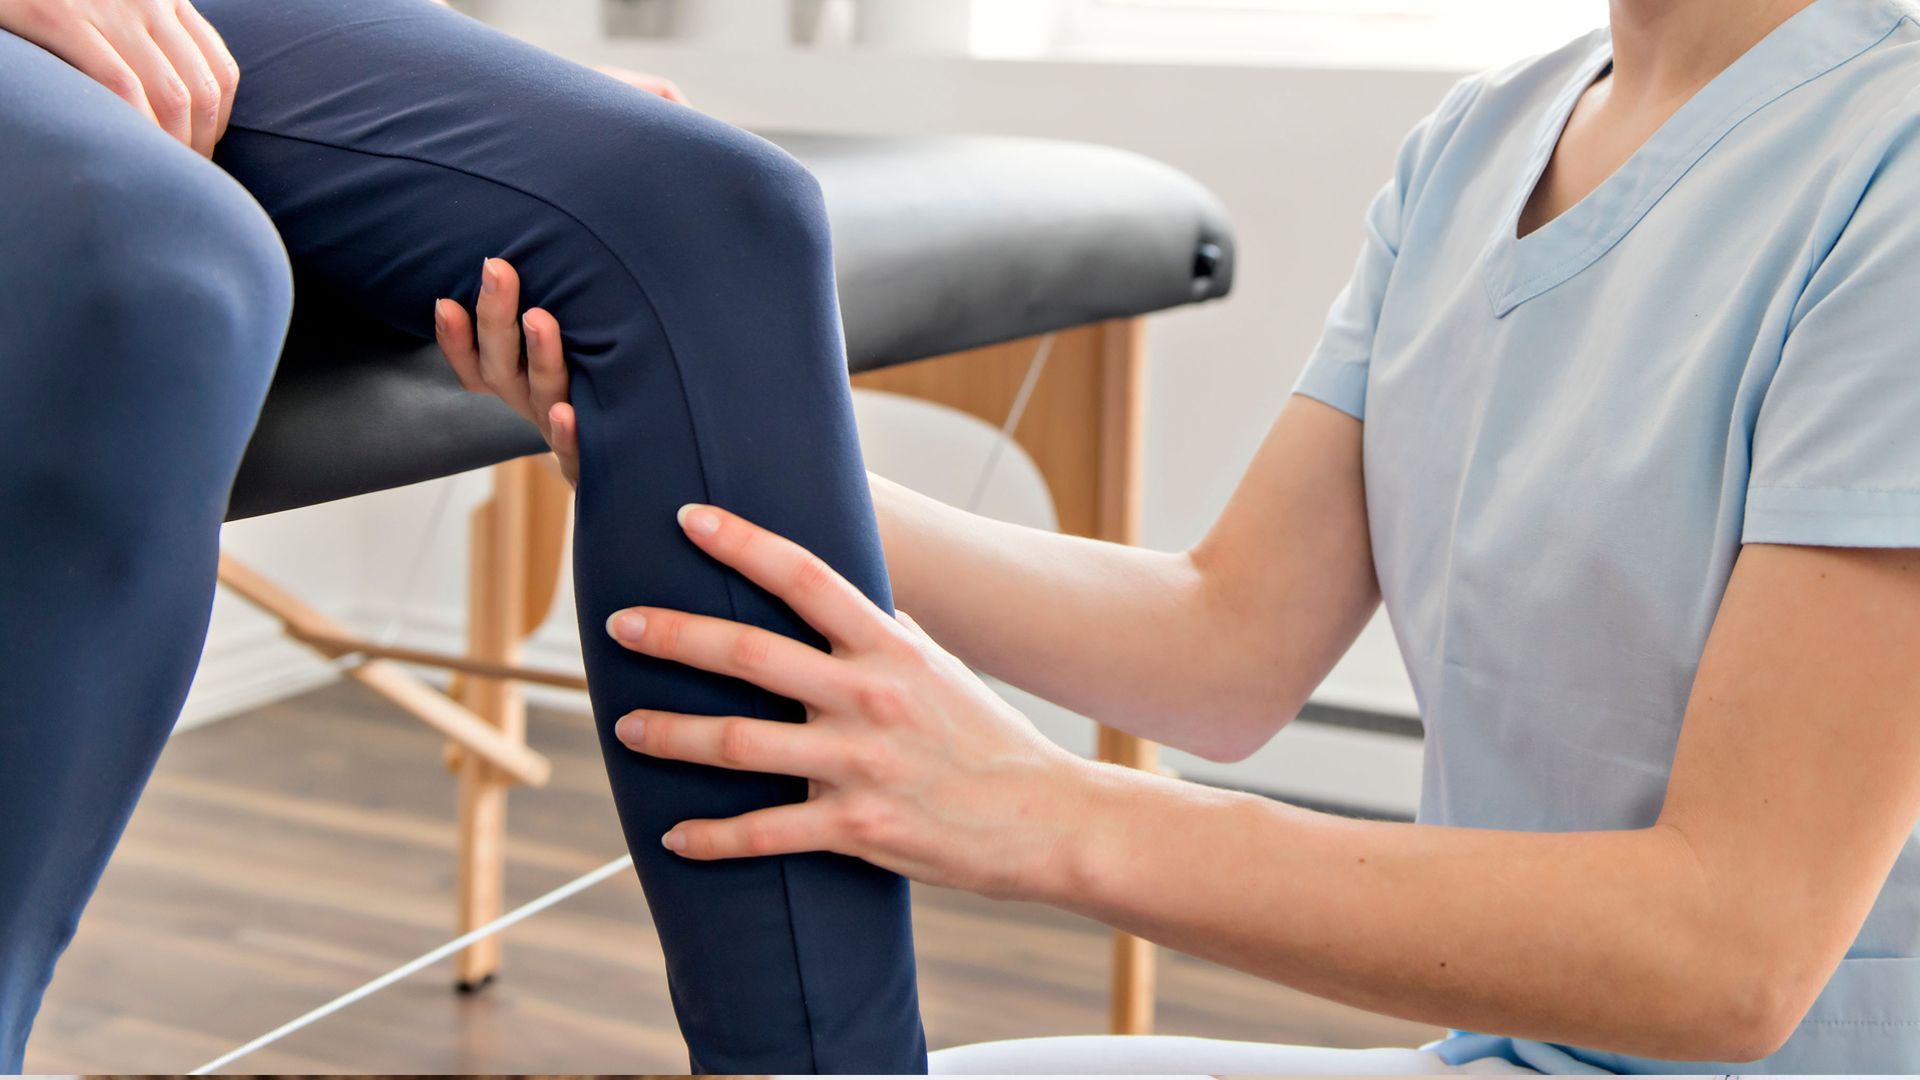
(1836, 445)
(1336, 372)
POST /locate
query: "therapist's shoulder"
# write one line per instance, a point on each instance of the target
(1878, 91)
(1856, 137)
(1870, 119)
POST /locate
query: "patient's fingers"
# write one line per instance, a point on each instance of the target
(195, 71)
(225, 70)
(93, 56)
(546, 365)
(453, 329)
(564, 436)
(498, 315)
(168, 97)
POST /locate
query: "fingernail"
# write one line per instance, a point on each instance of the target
(489, 277)
(440, 314)
(699, 520)
(627, 625)
(629, 729)
(674, 841)
(526, 324)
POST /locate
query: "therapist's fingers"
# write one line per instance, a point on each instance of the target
(768, 660)
(191, 66)
(453, 329)
(657, 85)
(740, 743)
(226, 70)
(497, 314)
(815, 591)
(781, 830)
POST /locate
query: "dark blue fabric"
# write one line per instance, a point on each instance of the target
(395, 145)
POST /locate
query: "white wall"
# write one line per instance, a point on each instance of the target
(1294, 153)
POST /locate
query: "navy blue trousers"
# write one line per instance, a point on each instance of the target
(382, 149)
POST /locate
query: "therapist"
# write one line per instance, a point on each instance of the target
(1620, 415)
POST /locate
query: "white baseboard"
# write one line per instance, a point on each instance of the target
(248, 670)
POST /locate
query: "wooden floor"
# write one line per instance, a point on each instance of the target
(286, 857)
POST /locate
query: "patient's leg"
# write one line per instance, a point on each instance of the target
(143, 297)
(397, 145)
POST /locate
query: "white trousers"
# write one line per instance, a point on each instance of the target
(1165, 1055)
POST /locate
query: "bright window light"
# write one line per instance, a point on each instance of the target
(1441, 34)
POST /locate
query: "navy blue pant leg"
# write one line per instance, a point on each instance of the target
(396, 145)
(143, 299)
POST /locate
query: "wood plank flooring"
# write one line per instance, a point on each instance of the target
(285, 857)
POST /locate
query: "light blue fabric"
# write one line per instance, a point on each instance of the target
(1570, 436)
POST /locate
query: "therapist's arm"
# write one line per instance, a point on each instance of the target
(1211, 650)
(1704, 936)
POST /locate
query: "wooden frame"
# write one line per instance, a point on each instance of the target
(1083, 428)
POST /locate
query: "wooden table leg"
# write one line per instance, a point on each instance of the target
(1123, 372)
(498, 593)
(1085, 431)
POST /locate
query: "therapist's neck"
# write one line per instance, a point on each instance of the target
(1671, 48)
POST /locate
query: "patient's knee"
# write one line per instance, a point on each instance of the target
(776, 197)
(178, 292)
(156, 307)
(702, 196)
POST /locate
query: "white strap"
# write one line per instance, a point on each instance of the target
(1014, 416)
(564, 892)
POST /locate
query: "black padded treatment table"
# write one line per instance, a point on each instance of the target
(952, 253)
(942, 244)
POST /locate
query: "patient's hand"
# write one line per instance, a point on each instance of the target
(159, 56)
(534, 380)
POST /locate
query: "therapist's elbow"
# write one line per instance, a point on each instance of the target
(1738, 996)
(1222, 749)
(1244, 716)
(1740, 1021)
(1692, 1016)
(1235, 733)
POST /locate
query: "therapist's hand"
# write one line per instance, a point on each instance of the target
(916, 766)
(658, 85)
(159, 56)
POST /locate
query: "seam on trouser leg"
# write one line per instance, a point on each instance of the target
(701, 455)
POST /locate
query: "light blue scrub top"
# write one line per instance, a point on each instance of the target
(1570, 436)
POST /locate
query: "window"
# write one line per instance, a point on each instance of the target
(1444, 34)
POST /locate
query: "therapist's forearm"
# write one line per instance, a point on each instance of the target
(1211, 650)
(1124, 635)
(1597, 939)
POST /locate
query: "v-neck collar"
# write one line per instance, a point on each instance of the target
(1815, 40)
